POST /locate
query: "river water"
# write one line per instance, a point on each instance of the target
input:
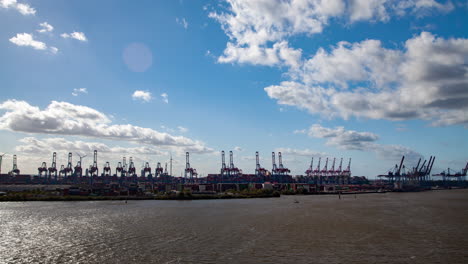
(428, 227)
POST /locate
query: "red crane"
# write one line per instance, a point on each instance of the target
(309, 172)
(282, 170)
(340, 168)
(274, 169)
(131, 168)
(233, 170)
(159, 169)
(259, 171)
(224, 169)
(347, 171)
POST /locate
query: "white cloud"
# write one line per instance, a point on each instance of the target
(34, 145)
(364, 141)
(62, 118)
(24, 9)
(77, 91)
(165, 98)
(182, 129)
(280, 53)
(255, 27)
(27, 40)
(54, 50)
(182, 22)
(428, 80)
(142, 95)
(45, 27)
(75, 35)
(344, 139)
(237, 148)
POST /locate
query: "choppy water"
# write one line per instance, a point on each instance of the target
(428, 227)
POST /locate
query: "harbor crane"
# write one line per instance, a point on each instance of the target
(78, 168)
(131, 167)
(224, 169)
(259, 171)
(53, 168)
(159, 170)
(190, 173)
(42, 169)
(15, 170)
(106, 171)
(93, 169)
(69, 169)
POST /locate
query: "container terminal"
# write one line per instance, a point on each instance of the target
(331, 177)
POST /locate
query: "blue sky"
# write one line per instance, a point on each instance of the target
(370, 80)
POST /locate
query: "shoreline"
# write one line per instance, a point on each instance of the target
(182, 197)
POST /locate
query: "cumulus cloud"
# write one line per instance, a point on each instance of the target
(75, 35)
(165, 98)
(237, 148)
(78, 91)
(45, 27)
(363, 141)
(24, 9)
(62, 118)
(258, 30)
(182, 22)
(345, 139)
(144, 96)
(27, 40)
(428, 80)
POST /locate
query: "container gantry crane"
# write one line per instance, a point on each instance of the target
(106, 171)
(259, 171)
(224, 169)
(93, 169)
(78, 167)
(53, 168)
(233, 170)
(69, 169)
(15, 170)
(190, 173)
(282, 170)
(42, 170)
(131, 168)
(61, 171)
(119, 169)
(274, 169)
(159, 169)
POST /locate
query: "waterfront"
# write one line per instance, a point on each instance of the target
(426, 227)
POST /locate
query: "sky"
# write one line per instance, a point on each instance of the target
(370, 80)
